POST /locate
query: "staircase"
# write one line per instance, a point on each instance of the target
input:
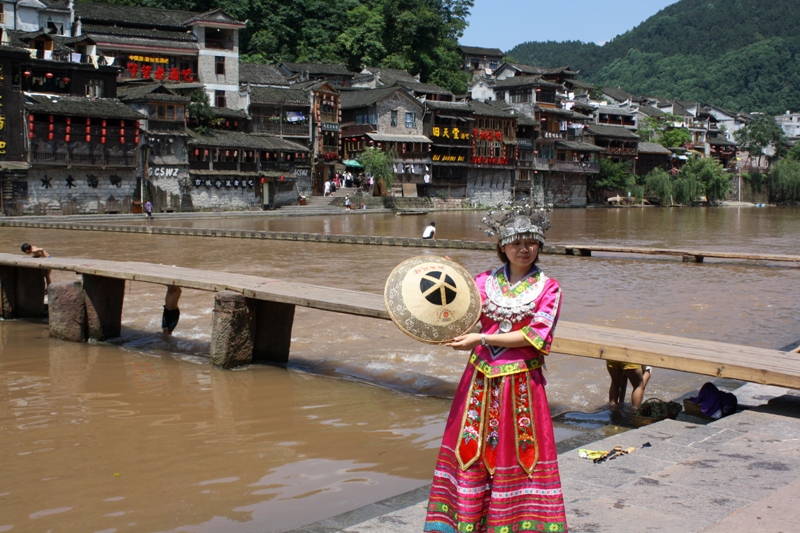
(315, 205)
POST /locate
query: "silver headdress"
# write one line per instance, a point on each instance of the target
(509, 222)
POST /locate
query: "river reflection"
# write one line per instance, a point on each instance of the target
(143, 434)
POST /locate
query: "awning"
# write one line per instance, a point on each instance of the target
(352, 163)
(295, 116)
(14, 165)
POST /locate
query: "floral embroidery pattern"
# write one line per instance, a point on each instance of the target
(504, 369)
(527, 450)
(469, 442)
(493, 410)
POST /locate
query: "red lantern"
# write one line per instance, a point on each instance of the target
(49, 75)
(30, 126)
(196, 152)
(103, 131)
(88, 130)
(103, 123)
(50, 127)
(121, 123)
(50, 119)
(30, 135)
(102, 140)
(136, 139)
(27, 73)
(122, 140)
(50, 136)
(30, 118)
(65, 80)
(122, 132)
(66, 137)
(88, 138)
(69, 120)
(88, 121)
(68, 129)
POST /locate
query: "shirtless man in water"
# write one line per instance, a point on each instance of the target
(169, 319)
(38, 253)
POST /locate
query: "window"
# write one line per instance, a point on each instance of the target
(219, 98)
(365, 117)
(219, 62)
(410, 122)
(394, 118)
(95, 88)
(2, 14)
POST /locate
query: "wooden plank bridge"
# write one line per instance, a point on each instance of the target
(270, 303)
(690, 256)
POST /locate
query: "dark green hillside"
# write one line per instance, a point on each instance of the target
(738, 54)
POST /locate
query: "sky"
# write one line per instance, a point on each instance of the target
(504, 24)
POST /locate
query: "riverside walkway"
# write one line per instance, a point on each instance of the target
(734, 475)
(272, 302)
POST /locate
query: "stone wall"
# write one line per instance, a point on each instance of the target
(565, 189)
(488, 186)
(403, 105)
(78, 191)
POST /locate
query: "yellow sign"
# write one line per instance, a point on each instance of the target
(148, 59)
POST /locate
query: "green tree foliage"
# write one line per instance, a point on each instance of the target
(615, 177)
(658, 184)
(378, 163)
(760, 133)
(741, 55)
(707, 176)
(672, 137)
(201, 114)
(784, 180)
(418, 35)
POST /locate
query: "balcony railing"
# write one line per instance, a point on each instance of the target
(575, 166)
(61, 157)
(165, 125)
(219, 44)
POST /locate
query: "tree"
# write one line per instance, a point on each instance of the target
(785, 180)
(201, 114)
(616, 177)
(760, 133)
(673, 137)
(378, 164)
(658, 183)
(710, 177)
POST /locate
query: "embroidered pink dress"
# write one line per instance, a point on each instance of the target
(497, 469)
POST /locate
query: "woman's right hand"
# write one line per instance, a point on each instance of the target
(465, 342)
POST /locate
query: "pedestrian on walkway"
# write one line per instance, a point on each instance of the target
(327, 188)
(148, 209)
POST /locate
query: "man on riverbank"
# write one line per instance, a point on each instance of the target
(430, 231)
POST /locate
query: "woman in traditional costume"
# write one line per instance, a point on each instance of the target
(497, 469)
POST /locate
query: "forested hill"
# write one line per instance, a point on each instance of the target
(741, 55)
(420, 36)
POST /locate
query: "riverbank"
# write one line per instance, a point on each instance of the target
(732, 475)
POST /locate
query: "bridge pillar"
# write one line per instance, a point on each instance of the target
(103, 297)
(232, 326)
(22, 292)
(67, 311)
(273, 331)
(688, 258)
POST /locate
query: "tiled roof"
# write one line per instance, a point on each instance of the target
(80, 106)
(562, 113)
(538, 71)
(650, 111)
(148, 33)
(143, 42)
(611, 131)
(238, 139)
(320, 69)
(579, 146)
(427, 88)
(386, 137)
(653, 148)
(478, 51)
(447, 106)
(612, 110)
(148, 92)
(389, 76)
(720, 141)
(488, 110)
(144, 16)
(276, 95)
(617, 94)
(525, 81)
(364, 97)
(56, 5)
(226, 112)
(260, 74)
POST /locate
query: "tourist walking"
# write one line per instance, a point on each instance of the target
(497, 468)
(327, 188)
(148, 209)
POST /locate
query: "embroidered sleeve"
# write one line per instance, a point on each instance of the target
(539, 332)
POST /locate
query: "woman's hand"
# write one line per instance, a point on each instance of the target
(465, 342)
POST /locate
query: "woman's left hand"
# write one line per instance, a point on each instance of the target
(465, 342)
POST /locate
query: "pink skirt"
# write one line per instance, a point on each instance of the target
(497, 469)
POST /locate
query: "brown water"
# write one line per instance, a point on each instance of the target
(144, 435)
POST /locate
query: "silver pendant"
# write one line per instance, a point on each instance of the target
(505, 326)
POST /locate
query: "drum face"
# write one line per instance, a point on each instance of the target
(432, 299)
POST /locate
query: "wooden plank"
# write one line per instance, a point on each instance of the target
(665, 251)
(746, 363)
